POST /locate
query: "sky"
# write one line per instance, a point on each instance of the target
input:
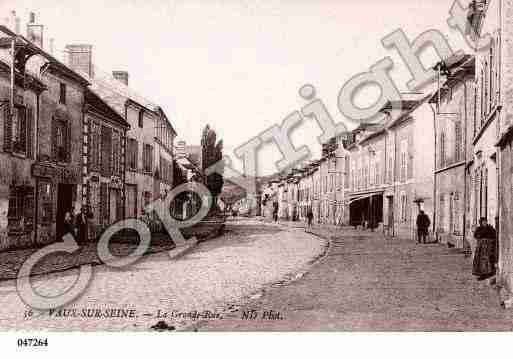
(237, 64)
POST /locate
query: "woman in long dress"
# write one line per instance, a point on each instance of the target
(485, 257)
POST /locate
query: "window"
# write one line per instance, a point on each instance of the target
(106, 151)
(377, 174)
(372, 172)
(442, 150)
(19, 130)
(347, 173)
(61, 140)
(132, 152)
(20, 215)
(148, 158)
(404, 159)
(94, 151)
(390, 170)
(457, 141)
(404, 207)
(62, 93)
(141, 119)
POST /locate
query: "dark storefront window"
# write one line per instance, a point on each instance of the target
(45, 202)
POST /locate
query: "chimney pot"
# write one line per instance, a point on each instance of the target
(121, 76)
(32, 17)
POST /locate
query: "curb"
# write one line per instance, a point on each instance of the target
(287, 279)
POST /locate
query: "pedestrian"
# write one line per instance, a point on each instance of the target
(82, 224)
(69, 228)
(485, 257)
(309, 217)
(275, 211)
(423, 224)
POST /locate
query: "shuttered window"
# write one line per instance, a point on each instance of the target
(106, 151)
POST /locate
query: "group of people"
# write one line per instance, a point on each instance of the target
(76, 225)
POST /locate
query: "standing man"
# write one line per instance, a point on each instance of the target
(275, 211)
(423, 223)
(309, 217)
(82, 226)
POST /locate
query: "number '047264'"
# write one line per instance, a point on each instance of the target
(33, 342)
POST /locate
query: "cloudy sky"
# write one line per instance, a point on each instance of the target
(237, 64)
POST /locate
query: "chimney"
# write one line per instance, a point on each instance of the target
(14, 22)
(80, 58)
(121, 76)
(52, 46)
(35, 31)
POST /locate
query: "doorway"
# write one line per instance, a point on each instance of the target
(390, 221)
(64, 204)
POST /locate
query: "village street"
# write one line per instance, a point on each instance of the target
(249, 255)
(367, 283)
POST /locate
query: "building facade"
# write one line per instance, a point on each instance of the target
(42, 144)
(104, 144)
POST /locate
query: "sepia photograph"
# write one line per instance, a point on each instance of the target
(185, 166)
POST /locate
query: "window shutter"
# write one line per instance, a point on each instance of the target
(7, 128)
(104, 204)
(30, 132)
(22, 128)
(68, 141)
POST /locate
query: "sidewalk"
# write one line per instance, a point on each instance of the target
(11, 262)
(369, 283)
(120, 245)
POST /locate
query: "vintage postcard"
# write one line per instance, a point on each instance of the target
(205, 166)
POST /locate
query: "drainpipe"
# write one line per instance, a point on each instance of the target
(465, 88)
(434, 174)
(13, 49)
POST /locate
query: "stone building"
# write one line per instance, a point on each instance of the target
(391, 168)
(492, 137)
(103, 163)
(454, 119)
(41, 158)
(149, 141)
